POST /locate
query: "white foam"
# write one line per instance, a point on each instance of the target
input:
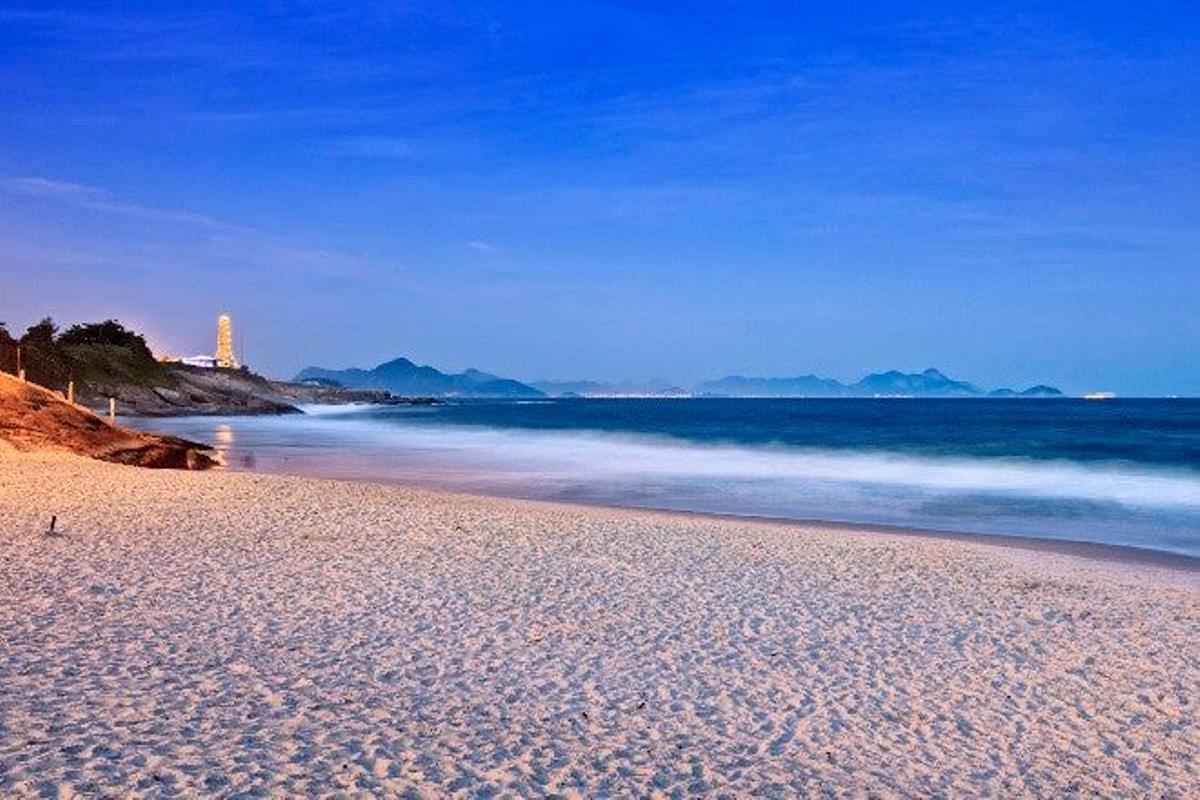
(614, 456)
(336, 410)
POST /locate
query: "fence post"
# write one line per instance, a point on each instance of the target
(70, 391)
(112, 410)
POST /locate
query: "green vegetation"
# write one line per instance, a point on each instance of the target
(42, 359)
(94, 355)
(8, 350)
(98, 365)
(110, 332)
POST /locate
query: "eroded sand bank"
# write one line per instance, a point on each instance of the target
(198, 633)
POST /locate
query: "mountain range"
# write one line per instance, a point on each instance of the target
(404, 377)
(930, 383)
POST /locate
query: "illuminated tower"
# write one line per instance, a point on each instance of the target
(225, 342)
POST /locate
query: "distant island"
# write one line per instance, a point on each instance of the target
(929, 383)
(404, 377)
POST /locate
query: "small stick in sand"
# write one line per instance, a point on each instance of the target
(53, 522)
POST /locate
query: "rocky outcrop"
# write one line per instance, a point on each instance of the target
(315, 393)
(191, 390)
(33, 419)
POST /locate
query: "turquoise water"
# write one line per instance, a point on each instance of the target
(1118, 472)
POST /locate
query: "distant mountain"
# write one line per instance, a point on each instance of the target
(930, 383)
(1041, 390)
(653, 388)
(403, 377)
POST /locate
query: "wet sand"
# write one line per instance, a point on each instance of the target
(220, 633)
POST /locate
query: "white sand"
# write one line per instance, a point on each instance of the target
(208, 633)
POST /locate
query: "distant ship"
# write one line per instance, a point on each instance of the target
(1099, 396)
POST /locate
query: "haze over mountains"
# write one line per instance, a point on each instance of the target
(402, 376)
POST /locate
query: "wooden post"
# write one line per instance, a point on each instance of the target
(70, 391)
(112, 410)
(21, 375)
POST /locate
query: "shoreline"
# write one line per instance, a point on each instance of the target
(1093, 551)
(1131, 511)
(1098, 551)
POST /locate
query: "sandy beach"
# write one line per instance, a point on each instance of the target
(243, 635)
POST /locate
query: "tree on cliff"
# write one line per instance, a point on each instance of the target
(44, 361)
(8, 350)
(108, 333)
(41, 334)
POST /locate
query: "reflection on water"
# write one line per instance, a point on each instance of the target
(224, 442)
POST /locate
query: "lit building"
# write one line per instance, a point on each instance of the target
(204, 362)
(224, 354)
(224, 358)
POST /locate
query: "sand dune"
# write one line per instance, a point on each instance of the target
(212, 633)
(34, 419)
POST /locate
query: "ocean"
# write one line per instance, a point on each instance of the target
(1123, 472)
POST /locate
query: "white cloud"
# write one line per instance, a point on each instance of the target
(43, 187)
(100, 200)
(225, 242)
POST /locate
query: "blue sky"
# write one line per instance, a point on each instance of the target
(617, 190)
